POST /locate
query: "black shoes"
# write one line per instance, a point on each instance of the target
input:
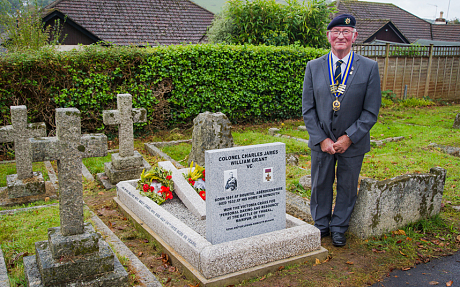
(338, 239)
(324, 233)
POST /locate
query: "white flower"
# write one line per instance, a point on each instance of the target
(200, 184)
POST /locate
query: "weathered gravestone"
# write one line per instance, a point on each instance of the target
(457, 122)
(386, 205)
(74, 254)
(25, 182)
(210, 131)
(245, 191)
(126, 164)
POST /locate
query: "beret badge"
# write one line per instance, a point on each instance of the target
(347, 21)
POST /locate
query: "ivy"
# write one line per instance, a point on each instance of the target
(174, 83)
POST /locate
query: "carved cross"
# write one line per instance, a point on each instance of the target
(124, 117)
(68, 148)
(19, 132)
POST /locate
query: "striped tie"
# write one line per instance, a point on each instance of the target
(338, 72)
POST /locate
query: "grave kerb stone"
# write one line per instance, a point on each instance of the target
(19, 133)
(217, 260)
(245, 191)
(185, 191)
(124, 117)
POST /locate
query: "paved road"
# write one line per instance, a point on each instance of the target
(440, 270)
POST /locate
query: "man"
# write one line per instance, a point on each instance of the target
(340, 104)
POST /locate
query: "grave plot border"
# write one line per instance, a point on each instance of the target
(221, 264)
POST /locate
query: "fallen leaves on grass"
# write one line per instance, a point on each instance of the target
(402, 253)
(405, 268)
(349, 263)
(449, 283)
(398, 232)
(378, 251)
(280, 268)
(164, 258)
(263, 278)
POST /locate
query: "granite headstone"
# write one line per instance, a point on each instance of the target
(245, 191)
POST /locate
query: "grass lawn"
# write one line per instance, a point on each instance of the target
(360, 263)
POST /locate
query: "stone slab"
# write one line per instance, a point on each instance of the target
(73, 245)
(233, 256)
(117, 175)
(116, 278)
(228, 279)
(104, 180)
(185, 191)
(4, 280)
(119, 162)
(51, 174)
(386, 205)
(86, 173)
(34, 185)
(72, 268)
(298, 206)
(245, 191)
(229, 256)
(50, 193)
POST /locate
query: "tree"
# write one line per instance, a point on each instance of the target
(22, 27)
(454, 21)
(265, 22)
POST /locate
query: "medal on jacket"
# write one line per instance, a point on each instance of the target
(337, 89)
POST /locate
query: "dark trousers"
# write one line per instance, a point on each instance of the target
(323, 175)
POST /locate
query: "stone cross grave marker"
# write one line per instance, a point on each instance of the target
(19, 132)
(245, 191)
(127, 163)
(68, 148)
(89, 258)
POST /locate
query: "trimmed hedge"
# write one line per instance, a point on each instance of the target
(174, 83)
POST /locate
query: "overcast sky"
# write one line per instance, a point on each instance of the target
(427, 9)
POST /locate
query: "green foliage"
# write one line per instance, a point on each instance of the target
(412, 50)
(416, 102)
(265, 22)
(174, 83)
(23, 28)
(389, 99)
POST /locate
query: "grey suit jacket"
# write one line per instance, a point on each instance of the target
(359, 107)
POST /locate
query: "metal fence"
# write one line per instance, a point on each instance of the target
(417, 71)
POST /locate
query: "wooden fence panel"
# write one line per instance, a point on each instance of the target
(432, 71)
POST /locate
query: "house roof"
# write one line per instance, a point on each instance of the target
(449, 33)
(411, 26)
(367, 28)
(138, 22)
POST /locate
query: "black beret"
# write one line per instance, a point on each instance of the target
(344, 20)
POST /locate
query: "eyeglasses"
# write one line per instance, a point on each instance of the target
(345, 33)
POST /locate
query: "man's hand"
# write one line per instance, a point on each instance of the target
(327, 145)
(342, 144)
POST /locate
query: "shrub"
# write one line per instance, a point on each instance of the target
(269, 23)
(174, 83)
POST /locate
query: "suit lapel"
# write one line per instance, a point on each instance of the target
(352, 74)
(325, 69)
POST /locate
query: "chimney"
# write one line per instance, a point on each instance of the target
(440, 20)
